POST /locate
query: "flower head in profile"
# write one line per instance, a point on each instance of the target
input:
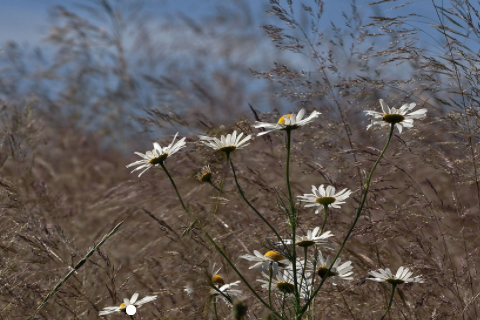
(402, 276)
(311, 238)
(127, 302)
(322, 197)
(284, 283)
(271, 259)
(398, 117)
(220, 290)
(157, 156)
(287, 122)
(338, 272)
(226, 144)
(205, 175)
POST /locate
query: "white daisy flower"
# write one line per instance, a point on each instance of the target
(337, 273)
(402, 276)
(226, 289)
(226, 144)
(127, 302)
(284, 283)
(287, 121)
(157, 156)
(324, 197)
(271, 258)
(311, 238)
(399, 117)
(205, 175)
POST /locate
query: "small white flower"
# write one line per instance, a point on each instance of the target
(271, 258)
(226, 144)
(157, 156)
(399, 117)
(225, 289)
(402, 276)
(205, 175)
(338, 272)
(127, 302)
(284, 283)
(324, 197)
(287, 121)
(311, 238)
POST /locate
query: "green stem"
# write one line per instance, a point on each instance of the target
(242, 278)
(131, 317)
(175, 187)
(390, 303)
(304, 267)
(270, 286)
(75, 268)
(248, 202)
(293, 222)
(214, 186)
(325, 220)
(215, 307)
(359, 211)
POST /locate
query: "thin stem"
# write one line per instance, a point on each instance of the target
(214, 186)
(248, 202)
(242, 278)
(131, 317)
(75, 268)
(304, 267)
(359, 211)
(293, 222)
(326, 217)
(175, 187)
(390, 303)
(215, 307)
(270, 286)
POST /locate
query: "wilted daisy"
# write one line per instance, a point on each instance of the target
(284, 283)
(311, 238)
(157, 156)
(127, 302)
(402, 276)
(399, 117)
(338, 272)
(271, 258)
(205, 175)
(226, 144)
(287, 121)
(322, 197)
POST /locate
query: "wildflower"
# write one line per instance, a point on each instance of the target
(398, 117)
(223, 290)
(287, 122)
(157, 156)
(311, 238)
(271, 259)
(284, 283)
(205, 175)
(338, 272)
(402, 276)
(324, 197)
(226, 144)
(127, 302)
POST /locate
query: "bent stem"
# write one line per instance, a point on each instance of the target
(248, 202)
(359, 211)
(390, 303)
(242, 278)
(75, 268)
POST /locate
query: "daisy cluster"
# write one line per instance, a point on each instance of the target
(282, 270)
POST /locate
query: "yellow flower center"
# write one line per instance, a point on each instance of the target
(122, 305)
(325, 200)
(228, 149)
(282, 118)
(159, 159)
(322, 271)
(394, 281)
(275, 256)
(207, 176)
(393, 118)
(218, 281)
(285, 287)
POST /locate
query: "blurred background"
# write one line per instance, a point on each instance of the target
(84, 84)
